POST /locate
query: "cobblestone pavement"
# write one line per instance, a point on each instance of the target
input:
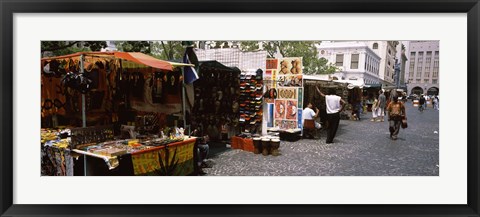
(360, 148)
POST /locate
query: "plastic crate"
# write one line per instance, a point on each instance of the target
(248, 145)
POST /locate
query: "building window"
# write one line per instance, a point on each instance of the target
(322, 52)
(418, 81)
(339, 60)
(375, 45)
(425, 81)
(354, 64)
(434, 81)
(412, 64)
(419, 64)
(428, 58)
(435, 65)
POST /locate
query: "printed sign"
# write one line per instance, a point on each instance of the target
(280, 109)
(286, 75)
(292, 111)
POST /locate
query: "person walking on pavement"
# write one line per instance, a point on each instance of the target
(382, 103)
(374, 109)
(426, 102)
(335, 105)
(435, 102)
(421, 103)
(396, 112)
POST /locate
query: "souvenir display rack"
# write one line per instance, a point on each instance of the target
(251, 99)
(216, 99)
(87, 135)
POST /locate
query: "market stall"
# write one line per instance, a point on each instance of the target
(125, 91)
(370, 91)
(215, 110)
(107, 85)
(341, 88)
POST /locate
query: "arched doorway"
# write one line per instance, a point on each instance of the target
(417, 90)
(432, 91)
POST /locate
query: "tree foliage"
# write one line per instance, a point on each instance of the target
(168, 50)
(58, 48)
(250, 46)
(305, 49)
(134, 46)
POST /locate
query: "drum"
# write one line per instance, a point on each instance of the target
(274, 146)
(265, 147)
(257, 145)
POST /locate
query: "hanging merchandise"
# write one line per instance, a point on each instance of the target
(147, 89)
(79, 82)
(216, 104)
(157, 83)
(250, 101)
(137, 84)
(175, 82)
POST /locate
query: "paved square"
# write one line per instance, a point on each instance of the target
(360, 148)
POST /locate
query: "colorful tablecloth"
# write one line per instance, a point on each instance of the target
(154, 161)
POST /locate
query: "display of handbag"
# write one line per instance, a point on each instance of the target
(404, 122)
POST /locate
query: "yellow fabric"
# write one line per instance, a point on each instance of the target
(184, 152)
(145, 162)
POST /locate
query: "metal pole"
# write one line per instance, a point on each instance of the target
(183, 101)
(84, 116)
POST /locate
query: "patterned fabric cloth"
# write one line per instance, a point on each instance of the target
(148, 162)
(56, 162)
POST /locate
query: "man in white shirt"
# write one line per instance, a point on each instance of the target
(309, 114)
(335, 105)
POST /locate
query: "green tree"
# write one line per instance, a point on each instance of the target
(325, 67)
(305, 49)
(58, 48)
(165, 50)
(168, 50)
(134, 46)
(250, 46)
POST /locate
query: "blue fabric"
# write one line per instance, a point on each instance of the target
(189, 72)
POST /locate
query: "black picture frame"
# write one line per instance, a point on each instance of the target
(9, 7)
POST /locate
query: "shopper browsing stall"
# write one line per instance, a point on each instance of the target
(309, 114)
(335, 105)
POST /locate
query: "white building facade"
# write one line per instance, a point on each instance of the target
(387, 51)
(356, 61)
(401, 59)
(422, 71)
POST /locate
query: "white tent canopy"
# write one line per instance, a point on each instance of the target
(351, 83)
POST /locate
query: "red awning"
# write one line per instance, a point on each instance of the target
(139, 58)
(144, 59)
